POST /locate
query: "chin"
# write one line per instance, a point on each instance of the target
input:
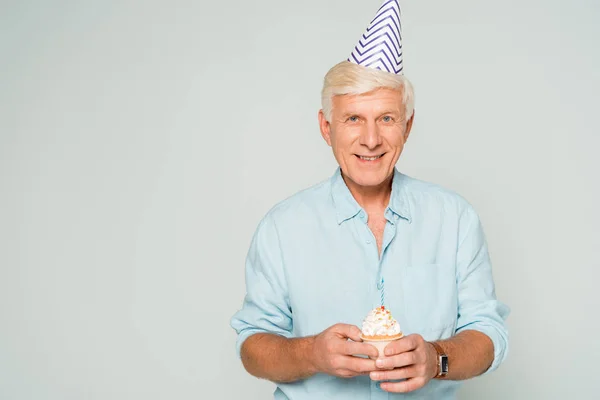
(368, 178)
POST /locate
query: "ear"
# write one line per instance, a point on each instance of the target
(409, 125)
(325, 127)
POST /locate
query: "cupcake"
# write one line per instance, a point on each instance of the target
(379, 328)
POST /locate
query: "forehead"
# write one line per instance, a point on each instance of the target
(378, 100)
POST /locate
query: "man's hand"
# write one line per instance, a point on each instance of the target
(412, 358)
(333, 353)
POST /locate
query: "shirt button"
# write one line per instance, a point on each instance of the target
(368, 241)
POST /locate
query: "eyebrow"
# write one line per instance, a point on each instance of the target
(390, 111)
(349, 114)
(385, 112)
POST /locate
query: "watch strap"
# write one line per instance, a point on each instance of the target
(442, 360)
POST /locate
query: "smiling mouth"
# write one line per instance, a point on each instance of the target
(370, 158)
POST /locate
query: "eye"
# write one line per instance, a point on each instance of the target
(352, 118)
(387, 118)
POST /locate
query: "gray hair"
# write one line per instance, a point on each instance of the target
(349, 78)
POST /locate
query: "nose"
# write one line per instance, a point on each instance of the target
(370, 136)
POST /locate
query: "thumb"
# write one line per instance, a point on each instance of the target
(348, 331)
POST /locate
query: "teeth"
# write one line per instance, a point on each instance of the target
(369, 158)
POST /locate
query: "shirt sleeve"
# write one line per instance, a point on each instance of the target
(266, 306)
(478, 307)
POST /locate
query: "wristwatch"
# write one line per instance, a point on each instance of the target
(442, 361)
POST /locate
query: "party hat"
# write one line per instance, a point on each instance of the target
(380, 47)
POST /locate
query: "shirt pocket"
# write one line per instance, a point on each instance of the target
(430, 298)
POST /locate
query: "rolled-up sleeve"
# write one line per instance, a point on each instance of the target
(266, 304)
(478, 307)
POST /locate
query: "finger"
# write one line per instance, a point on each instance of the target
(355, 348)
(408, 385)
(358, 365)
(402, 345)
(346, 373)
(347, 331)
(398, 373)
(401, 360)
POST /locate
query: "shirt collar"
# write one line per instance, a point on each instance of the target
(347, 207)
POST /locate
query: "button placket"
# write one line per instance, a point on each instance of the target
(388, 236)
(368, 234)
(377, 393)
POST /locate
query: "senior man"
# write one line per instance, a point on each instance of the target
(317, 261)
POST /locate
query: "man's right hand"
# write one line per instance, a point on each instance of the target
(334, 354)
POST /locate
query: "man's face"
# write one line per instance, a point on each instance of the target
(367, 134)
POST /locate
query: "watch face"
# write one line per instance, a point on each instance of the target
(444, 364)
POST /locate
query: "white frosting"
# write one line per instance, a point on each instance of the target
(379, 322)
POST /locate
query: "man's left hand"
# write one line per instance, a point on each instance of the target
(412, 358)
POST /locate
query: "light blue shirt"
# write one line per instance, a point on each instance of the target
(314, 262)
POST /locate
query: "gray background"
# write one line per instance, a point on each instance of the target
(141, 142)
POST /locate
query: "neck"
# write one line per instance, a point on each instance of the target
(371, 198)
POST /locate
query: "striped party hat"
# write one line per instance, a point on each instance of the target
(380, 47)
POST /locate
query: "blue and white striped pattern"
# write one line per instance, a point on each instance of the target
(380, 47)
(382, 292)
